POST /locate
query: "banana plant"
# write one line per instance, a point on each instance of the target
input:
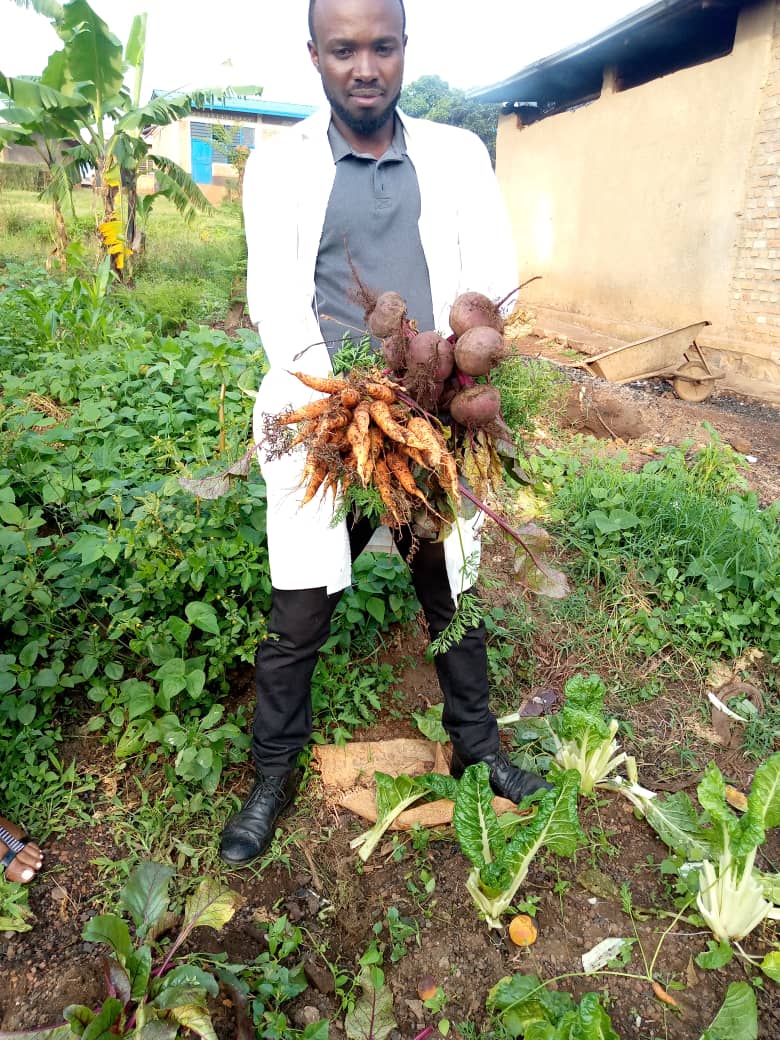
(95, 119)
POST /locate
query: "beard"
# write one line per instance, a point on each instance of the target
(363, 125)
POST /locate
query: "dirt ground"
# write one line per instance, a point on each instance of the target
(322, 891)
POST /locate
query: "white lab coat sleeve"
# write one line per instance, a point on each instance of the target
(487, 253)
(305, 549)
(279, 289)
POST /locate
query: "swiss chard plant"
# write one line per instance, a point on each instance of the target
(526, 1008)
(584, 739)
(717, 849)
(500, 858)
(394, 794)
(154, 992)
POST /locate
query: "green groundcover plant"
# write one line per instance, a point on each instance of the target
(687, 555)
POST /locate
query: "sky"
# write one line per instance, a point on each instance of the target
(195, 43)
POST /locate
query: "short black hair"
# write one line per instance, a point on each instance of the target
(311, 17)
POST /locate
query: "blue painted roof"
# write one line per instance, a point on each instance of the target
(259, 106)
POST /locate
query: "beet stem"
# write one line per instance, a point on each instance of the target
(501, 523)
(522, 285)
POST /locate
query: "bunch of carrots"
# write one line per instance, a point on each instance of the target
(365, 432)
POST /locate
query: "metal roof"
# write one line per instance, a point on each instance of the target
(259, 106)
(658, 29)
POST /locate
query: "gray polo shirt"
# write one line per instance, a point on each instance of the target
(373, 213)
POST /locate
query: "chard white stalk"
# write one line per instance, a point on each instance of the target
(593, 766)
(731, 901)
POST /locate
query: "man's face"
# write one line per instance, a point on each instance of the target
(358, 50)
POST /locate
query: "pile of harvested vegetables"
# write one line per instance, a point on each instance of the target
(418, 442)
(410, 430)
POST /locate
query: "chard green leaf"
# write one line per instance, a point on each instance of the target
(180, 996)
(676, 822)
(764, 797)
(594, 1022)
(108, 928)
(712, 798)
(738, 1016)
(210, 906)
(155, 1029)
(528, 1009)
(556, 826)
(474, 818)
(145, 896)
(190, 975)
(101, 1026)
(770, 966)
(393, 795)
(430, 724)
(522, 1000)
(440, 785)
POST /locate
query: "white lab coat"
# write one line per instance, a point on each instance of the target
(467, 244)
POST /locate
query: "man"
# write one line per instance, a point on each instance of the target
(414, 206)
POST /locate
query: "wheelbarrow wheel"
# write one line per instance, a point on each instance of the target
(697, 386)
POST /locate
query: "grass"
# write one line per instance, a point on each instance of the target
(187, 273)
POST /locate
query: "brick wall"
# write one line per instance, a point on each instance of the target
(756, 281)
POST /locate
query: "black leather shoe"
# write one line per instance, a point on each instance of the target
(506, 780)
(250, 831)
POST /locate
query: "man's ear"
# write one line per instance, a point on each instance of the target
(315, 58)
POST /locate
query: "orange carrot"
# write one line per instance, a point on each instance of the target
(380, 413)
(308, 411)
(318, 471)
(379, 392)
(350, 397)
(325, 384)
(403, 475)
(424, 439)
(664, 997)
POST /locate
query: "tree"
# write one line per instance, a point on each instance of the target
(82, 91)
(431, 97)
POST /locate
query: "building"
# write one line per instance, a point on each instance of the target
(641, 172)
(191, 143)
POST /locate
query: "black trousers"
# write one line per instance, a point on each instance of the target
(298, 626)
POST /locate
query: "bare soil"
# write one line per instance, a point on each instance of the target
(322, 890)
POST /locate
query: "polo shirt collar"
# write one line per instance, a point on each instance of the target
(341, 148)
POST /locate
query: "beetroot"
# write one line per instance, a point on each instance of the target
(476, 405)
(472, 309)
(388, 315)
(431, 354)
(479, 349)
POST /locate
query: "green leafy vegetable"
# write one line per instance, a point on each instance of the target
(394, 794)
(733, 897)
(584, 740)
(500, 863)
(737, 1018)
(528, 1009)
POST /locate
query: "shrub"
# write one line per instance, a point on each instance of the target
(22, 177)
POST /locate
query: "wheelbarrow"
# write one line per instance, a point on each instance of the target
(673, 355)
